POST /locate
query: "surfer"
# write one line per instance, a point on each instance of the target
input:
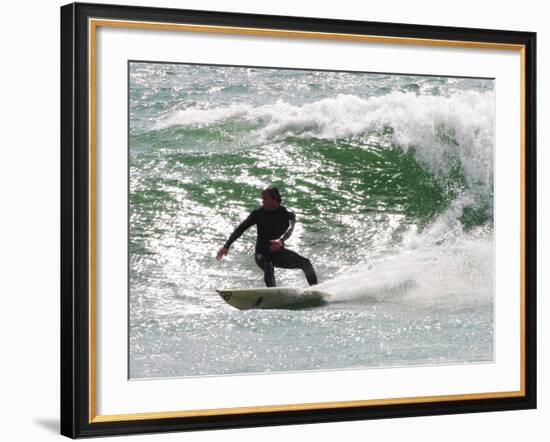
(275, 224)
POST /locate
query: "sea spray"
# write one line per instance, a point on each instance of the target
(456, 274)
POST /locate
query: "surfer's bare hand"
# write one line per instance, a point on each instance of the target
(275, 245)
(221, 253)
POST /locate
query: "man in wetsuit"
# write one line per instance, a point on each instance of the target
(275, 225)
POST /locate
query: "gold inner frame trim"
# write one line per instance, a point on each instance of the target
(299, 34)
(93, 24)
(523, 192)
(298, 407)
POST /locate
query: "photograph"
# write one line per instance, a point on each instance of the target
(287, 220)
(247, 221)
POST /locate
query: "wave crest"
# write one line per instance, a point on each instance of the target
(448, 134)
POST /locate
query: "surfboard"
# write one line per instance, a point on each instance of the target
(273, 298)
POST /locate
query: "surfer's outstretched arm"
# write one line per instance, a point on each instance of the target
(241, 228)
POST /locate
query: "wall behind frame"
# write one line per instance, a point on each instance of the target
(29, 225)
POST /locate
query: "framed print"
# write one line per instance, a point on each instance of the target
(273, 220)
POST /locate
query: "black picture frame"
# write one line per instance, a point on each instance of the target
(77, 251)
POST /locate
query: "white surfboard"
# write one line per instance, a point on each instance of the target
(273, 298)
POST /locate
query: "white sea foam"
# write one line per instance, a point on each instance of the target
(203, 117)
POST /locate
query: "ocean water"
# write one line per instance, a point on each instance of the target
(391, 180)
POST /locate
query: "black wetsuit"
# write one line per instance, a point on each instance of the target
(273, 224)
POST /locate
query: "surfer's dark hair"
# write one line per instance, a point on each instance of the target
(273, 192)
